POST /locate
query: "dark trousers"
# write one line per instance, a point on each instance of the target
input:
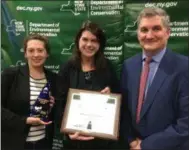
(42, 144)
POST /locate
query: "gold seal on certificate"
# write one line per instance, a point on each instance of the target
(92, 113)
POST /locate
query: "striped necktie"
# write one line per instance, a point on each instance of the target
(143, 80)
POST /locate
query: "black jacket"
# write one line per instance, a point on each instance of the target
(15, 101)
(68, 78)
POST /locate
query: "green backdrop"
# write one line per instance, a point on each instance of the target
(60, 21)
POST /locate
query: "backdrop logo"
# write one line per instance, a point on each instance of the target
(67, 51)
(131, 27)
(19, 63)
(75, 7)
(16, 27)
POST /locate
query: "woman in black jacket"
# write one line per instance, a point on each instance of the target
(88, 70)
(20, 87)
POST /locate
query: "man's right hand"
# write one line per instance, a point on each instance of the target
(133, 143)
(36, 121)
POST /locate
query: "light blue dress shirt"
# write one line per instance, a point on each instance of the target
(156, 59)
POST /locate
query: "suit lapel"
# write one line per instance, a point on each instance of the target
(136, 81)
(74, 78)
(156, 85)
(48, 75)
(25, 84)
(158, 81)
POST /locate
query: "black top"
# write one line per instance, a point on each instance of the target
(72, 77)
(85, 80)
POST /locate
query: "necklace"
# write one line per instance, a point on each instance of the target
(88, 75)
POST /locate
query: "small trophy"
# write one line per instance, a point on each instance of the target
(41, 107)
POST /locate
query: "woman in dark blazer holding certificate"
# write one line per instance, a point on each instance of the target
(87, 69)
(20, 87)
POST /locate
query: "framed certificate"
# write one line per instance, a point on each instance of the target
(92, 113)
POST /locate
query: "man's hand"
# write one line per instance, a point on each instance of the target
(135, 145)
(77, 136)
(36, 121)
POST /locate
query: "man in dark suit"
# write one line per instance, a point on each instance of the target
(155, 89)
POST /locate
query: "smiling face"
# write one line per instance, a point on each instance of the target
(35, 53)
(152, 34)
(88, 44)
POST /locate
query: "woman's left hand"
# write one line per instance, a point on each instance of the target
(77, 136)
(106, 90)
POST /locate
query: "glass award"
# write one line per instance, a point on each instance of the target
(41, 107)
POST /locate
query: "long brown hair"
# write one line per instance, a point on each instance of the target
(99, 61)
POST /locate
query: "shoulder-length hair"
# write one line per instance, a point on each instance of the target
(99, 58)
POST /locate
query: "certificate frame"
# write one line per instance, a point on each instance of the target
(115, 122)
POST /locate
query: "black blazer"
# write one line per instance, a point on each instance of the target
(15, 98)
(68, 77)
